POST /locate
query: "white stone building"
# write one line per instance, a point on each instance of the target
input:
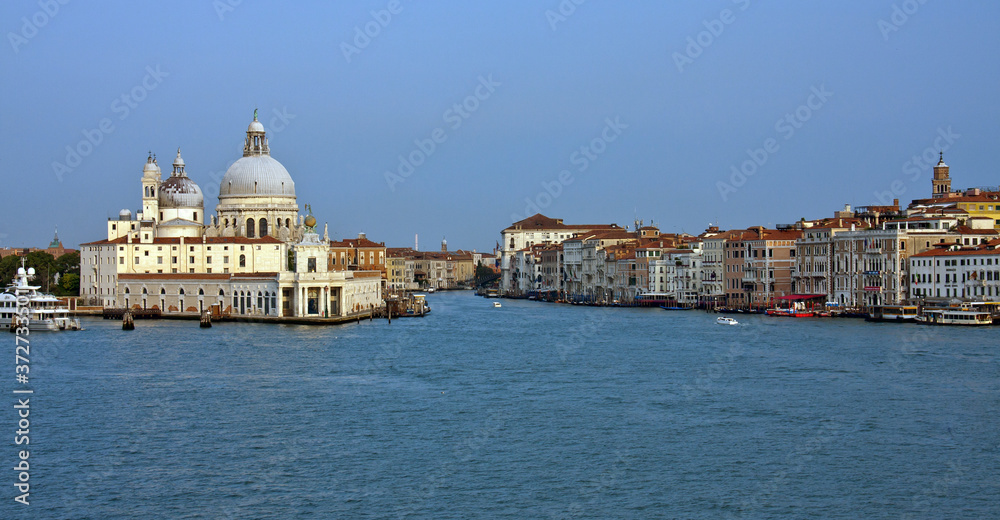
(258, 256)
(956, 273)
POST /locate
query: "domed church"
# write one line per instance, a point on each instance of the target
(256, 257)
(257, 195)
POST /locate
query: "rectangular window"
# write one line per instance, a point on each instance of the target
(173, 259)
(208, 259)
(311, 264)
(121, 260)
(137, 259)
(159, 260)
(225, 259)
(191, 260)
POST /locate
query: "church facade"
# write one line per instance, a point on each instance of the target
(257, 256)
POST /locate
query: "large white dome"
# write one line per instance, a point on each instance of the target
(257, 175)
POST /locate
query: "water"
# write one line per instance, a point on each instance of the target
(528, 411)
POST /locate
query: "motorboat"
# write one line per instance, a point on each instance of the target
(46, 312)
(955, 317)
(496, 304)
(725, 320)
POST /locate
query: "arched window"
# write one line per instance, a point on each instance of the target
(180, 291)
(250, 233)
(243, 260)
(260, 300)
(222, 292)
(288, 223)
(263, 227)
(163, 291)
(126, 290)
(201, 292)
(143, 290)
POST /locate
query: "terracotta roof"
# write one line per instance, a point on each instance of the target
(539, 221)
(966, 230)
(356, 242)
(959, 252)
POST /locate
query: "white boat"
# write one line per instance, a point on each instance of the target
(46, 313)
(955, 317)
(496, 304)
(723, 320)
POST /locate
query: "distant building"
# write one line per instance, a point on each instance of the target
(55, 249)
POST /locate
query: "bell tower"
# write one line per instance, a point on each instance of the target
(150, 189)
(941, 183)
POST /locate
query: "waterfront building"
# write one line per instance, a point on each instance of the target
(758, 265)
(814, 256)
(870, 266)
(257, 256)
(954, 272)
(536, 229)
(677, 276)
(395, 269)
(713, 243)
(553, 273)
(358, 254)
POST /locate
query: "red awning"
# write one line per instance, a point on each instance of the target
(800, 297)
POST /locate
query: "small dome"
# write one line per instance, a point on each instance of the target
(150, 169)
(180, 192)
(179, 161)
(124, 215)
(255, 126)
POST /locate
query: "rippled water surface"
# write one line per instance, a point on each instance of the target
(527, 411)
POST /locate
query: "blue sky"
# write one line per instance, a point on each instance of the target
(664, 98)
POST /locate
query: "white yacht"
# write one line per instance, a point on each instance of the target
(46, 311)
(723, 320)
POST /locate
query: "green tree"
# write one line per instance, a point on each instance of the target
(8, 267)
(68, 263)
(69, 285)
(45, 268)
